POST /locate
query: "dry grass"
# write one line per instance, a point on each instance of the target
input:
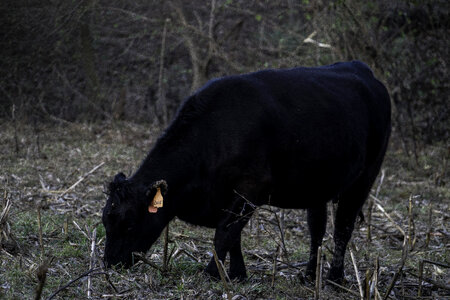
(57, 238)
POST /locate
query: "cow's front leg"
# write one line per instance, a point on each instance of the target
(211, 268)
(228, 239)
(237, 265)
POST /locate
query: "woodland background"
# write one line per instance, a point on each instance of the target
(137, 60)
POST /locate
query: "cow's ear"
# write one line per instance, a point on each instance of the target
(120, 177)
(155, 195)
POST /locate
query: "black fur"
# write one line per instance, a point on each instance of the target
(293, 138)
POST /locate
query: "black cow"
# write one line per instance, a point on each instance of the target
(292, 138)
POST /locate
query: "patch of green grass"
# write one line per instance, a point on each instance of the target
(25, 223)
(301, 252)
(68, 250)
(15, 280)
(186, 267)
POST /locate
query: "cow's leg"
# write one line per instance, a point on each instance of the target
(211, 268)
(227, 239)
(317, 221)
(344, 224)
(237, 265)
(349, 206)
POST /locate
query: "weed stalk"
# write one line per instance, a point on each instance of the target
(318, 274)
(222, 273)
(166, 248)
(41, 242)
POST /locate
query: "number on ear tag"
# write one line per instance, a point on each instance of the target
(157, 202)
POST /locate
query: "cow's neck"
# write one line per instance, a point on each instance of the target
(172, 166)
(172, 159)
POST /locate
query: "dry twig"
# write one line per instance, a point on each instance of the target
(41, 274)
(310, 40)
(370, 207)
(377, 203)
(5, 230)
(343, 288)
(41, 241)
(318, 286)
(274, 266)
(91, 261)
(222, 273)
(161, 91)
(141, 256)
(419, 290)
(361, 293)
(433, 282)
(82, 178)
(411, 227)
(400, 268)
(374, 285)
(72, 281)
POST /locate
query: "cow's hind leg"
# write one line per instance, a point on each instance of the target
(349, 206)
(317, 221)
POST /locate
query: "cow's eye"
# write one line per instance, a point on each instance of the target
(129, 228)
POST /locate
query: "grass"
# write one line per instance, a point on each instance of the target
(36, 177)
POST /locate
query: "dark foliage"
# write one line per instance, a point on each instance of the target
(103, 60)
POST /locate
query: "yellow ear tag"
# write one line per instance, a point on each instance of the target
(157, 202)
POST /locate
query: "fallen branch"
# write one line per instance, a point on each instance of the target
(82, 178)
(387, 215)
(433, 282)
(180, 251)
(142, 258)
(109, 296)
(101, 263)
(343, 288)
(310, 40)
(81, 230)
(436, 263)
(71, 282)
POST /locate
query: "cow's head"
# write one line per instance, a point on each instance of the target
(131, 219)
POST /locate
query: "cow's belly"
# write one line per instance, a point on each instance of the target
(298, 197)
(309, 187)
(200, 219)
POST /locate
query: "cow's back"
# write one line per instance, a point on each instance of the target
(303, 128)
(305, 133)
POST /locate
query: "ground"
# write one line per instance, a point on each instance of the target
(51, 194)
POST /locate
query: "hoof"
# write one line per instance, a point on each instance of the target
(336, 275)
(310, 274)
(212, 272)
